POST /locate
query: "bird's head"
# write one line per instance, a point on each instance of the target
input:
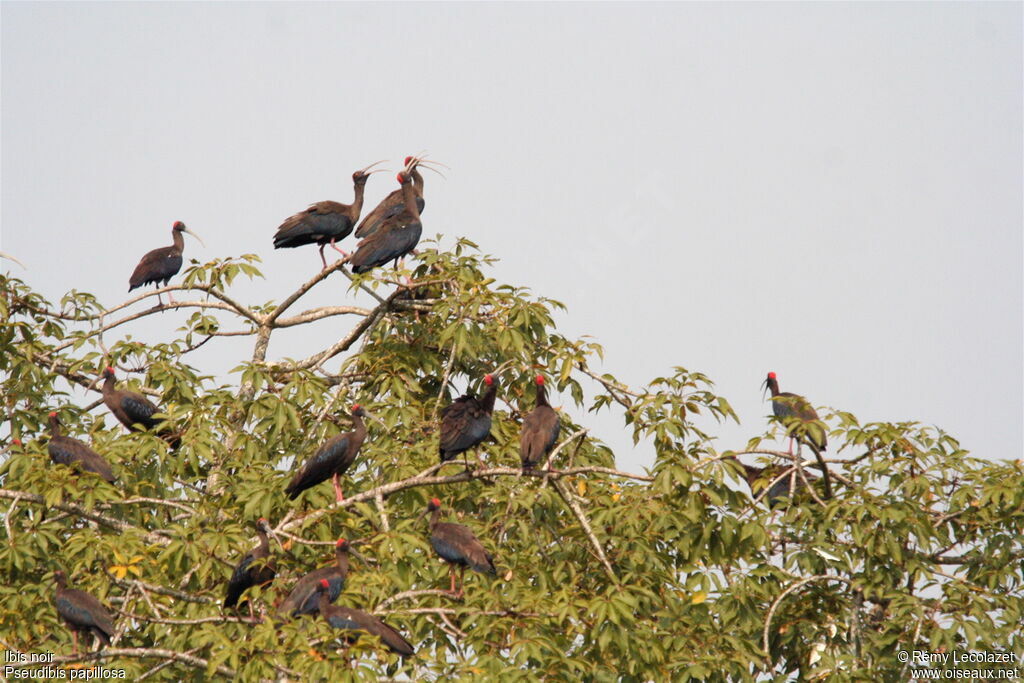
(539, 379)
(108, 372)
(358, 410)
(53, 414)
(403, 178)
(769, 382)
(434, 504)
(263, 525)
(16, 442)
(179, 226)
(362, 174)
(341, 544)
(60, 577)
(489, 379)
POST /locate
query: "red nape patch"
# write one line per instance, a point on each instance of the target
(178, 225)
(407, 160)
(540, 380)
(17, 442)
(341, 541)
(436, 501)
(771, 375)
(53, 414)
(400, 177)
(488, 380)
(355, 407)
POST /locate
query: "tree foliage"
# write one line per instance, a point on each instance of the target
(680, 573)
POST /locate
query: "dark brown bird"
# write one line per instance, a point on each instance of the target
(132, 409)
(66, 451)
(358, 620)
(396, 236)
(162, 264)
(304, 599)
(457, 545)
(466, 422)
(332, 459)
(540, 429)
(325, 222)
(256, 568)
(82, 612)
(787, 406)
(394, 203)
(788, 486)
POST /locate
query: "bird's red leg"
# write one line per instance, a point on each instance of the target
(451, 575)
(462, 582)
(340, 251)
(322, 256)
(74, 640)
(338, 495)
(170, 297)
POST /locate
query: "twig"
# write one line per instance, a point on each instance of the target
(783, 594)
(444, 383)
(578, 511)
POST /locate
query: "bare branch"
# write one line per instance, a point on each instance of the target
(578, 511)
(783, 594)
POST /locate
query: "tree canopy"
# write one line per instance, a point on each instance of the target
(679, 572)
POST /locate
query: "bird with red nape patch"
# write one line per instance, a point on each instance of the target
(466, 421)
(303, 599)
(357, 620)
(540, 429)
(788, 406)
(325, 222)
(458, 546)
(332, 459)
(394, 203)
(162, 264)
(396, 236)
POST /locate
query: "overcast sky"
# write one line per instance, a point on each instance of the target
(830, 191)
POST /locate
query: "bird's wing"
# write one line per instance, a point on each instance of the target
(320, 467)
(460, 545)
(156, 265)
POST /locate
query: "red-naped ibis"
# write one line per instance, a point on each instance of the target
(466, 422)
(540, 429)
(256, 568)
(303, 599)
(357, 620)
(332, 459)
(457, 545)
(82, 612)
(325, 222)
(396, 236)
(66, 451)
(394, 203)
(132, 409)
(162, 264)
(787, 486)
(786, 405)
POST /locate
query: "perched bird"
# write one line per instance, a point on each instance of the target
(132, 409)
(788, 406)
(162, 264)
(394, 203)
(325, 222)
(457, 545)
(256, 568)
(540, 430)
(65, 451)
(466, 422)
(396, 236)
(332, 459)
(358, 620)
(304, 599)
(82, 612)
(789, 483)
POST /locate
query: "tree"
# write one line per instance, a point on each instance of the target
(680, 572)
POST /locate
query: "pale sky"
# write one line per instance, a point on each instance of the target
(830, 191)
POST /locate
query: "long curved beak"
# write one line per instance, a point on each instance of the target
(11, 258)
(764, 389)
(196, 236)
(375, 418)
(367, 171)
(359, 556)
